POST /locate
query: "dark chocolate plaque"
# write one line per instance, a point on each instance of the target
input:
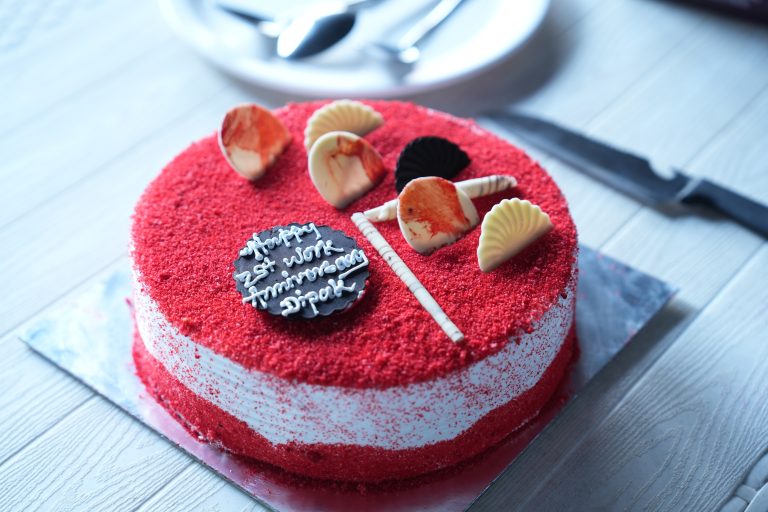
(301, 271)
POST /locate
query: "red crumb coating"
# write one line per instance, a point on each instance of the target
(192, 220)
(348, 463)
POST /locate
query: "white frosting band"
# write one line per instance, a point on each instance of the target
(411, 416)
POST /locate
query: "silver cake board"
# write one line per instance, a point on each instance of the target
(90, 337)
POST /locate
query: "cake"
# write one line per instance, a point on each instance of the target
(376, 390)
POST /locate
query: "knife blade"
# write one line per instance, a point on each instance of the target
(633, 174)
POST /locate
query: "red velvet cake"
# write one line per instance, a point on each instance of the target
(376, 391)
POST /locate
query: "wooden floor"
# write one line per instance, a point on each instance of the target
(98, 95)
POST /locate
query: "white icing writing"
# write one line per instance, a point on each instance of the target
(334, 289)
(260, 271)
(340, 268)
(308, 254)
(260, 248)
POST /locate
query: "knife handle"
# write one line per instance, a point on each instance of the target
(742, 209)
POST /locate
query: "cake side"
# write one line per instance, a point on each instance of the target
(396, 418)
(348, 463)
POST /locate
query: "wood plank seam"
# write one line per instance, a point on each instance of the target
(694, 27)
(157, 491)
(183, 475)
(22, 448)
(728, 124)
(37, 394)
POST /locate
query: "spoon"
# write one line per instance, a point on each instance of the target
(406, 50)
(314, 30)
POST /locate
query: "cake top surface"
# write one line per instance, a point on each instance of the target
(195, 216)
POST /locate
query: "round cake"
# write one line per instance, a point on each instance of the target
(376, 391)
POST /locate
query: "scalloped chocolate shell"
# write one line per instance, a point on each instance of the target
(429, 156)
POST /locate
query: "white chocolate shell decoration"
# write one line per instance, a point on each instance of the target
(433, 212)
(341, 115)
(343, 167)
(475, 187)
(510, 226)
(251, 138)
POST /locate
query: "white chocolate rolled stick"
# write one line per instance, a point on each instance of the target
(407, 276)
(476, 187)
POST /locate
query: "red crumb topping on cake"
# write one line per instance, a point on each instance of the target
(192, 220)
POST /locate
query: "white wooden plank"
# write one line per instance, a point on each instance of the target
(575, 66)
(699, 254)
(95, 459)
(601, 57)
(81, 232)
(737, 156)
(64, 65)
(692, 94)
(91, 129)
(35, 396)
(30, 26)
(197, 488)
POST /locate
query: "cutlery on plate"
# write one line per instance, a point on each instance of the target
(632, 174)
(406, 50)
(312, 31)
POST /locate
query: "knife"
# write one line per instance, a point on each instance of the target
(633, 174)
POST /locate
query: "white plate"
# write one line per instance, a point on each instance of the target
(478, 35)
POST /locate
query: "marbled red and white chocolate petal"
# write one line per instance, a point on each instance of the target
(251, 138)
(433, 212)
(343, 167)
